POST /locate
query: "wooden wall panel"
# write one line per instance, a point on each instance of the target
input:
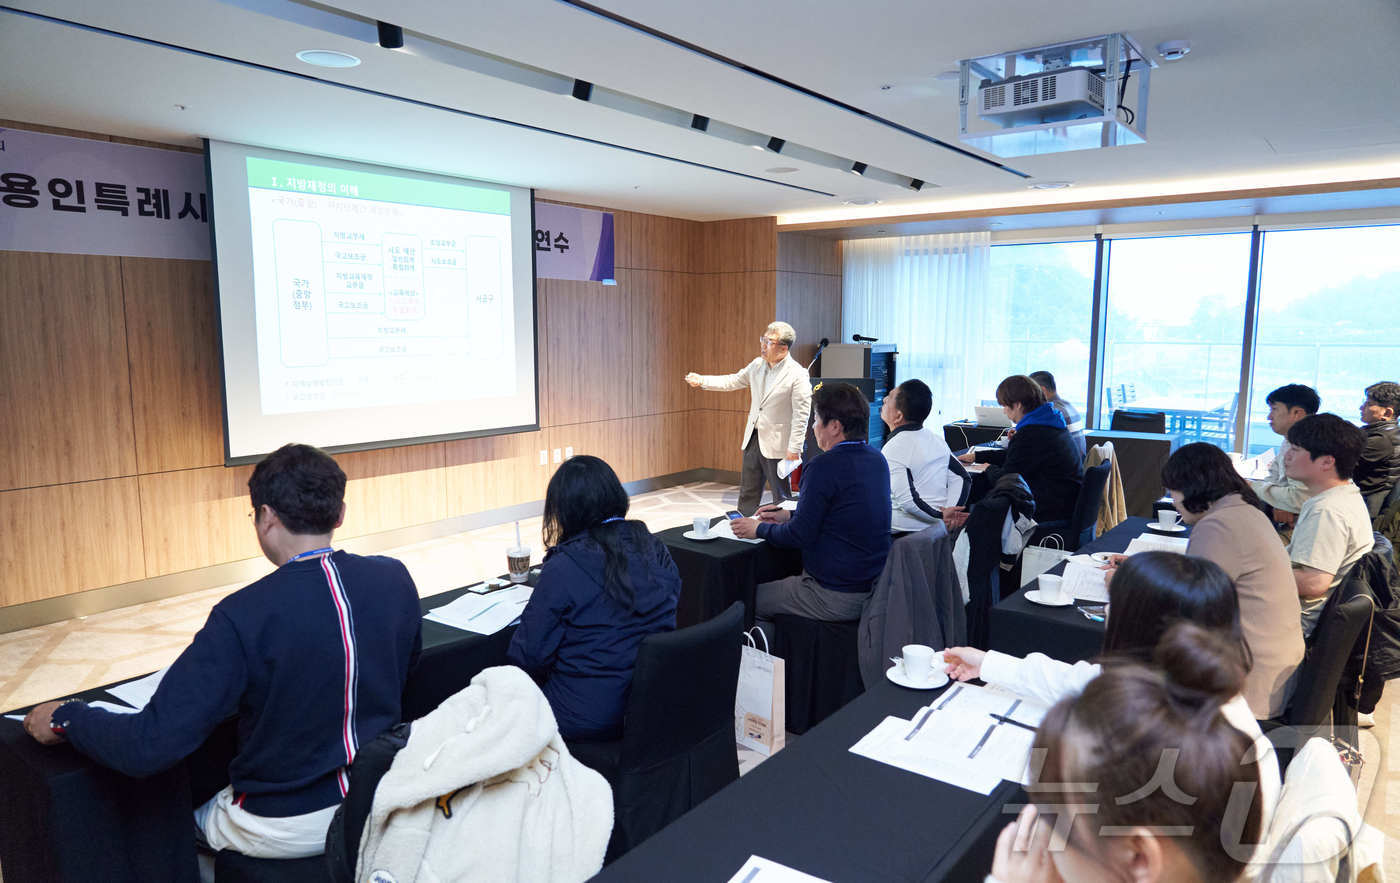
(610, 440)
(663, 445)
(732, 309)
(590, 360)
(195, 518)
(65, 394)
(716, 436)
(811, 303)
(809, 254)
(657, 328)
(176, 394)
(656, 242)
(393, 487)
(742, 245)
(65, 538)
(494, 472)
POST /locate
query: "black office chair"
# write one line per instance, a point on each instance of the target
(677, 745)
(1138, 421)
(1079, 529)
(1343, 623)
(235, 867)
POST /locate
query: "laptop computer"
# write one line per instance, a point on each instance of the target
(991, 416)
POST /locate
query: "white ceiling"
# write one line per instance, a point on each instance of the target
(1274, 91)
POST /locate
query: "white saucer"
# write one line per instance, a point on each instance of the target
(1175, 528)
(692, 535)
(1033, 596)
(936, 677)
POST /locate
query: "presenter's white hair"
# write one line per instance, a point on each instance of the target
(786, 335)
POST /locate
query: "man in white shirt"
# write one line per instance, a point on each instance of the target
(1334, 528)
(1287, 405)
(780, 401)
(922, 480)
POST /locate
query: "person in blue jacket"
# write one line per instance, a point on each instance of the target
(311, 659)
(606, 584)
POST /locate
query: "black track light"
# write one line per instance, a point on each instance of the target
(858, 168)
(390, 36)
(583, 90)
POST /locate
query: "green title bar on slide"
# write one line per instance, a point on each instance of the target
(271, 174)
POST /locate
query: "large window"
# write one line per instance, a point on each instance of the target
(1175, 325)
(1039, 304)
(1329, 317)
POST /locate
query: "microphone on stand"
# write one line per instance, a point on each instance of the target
(821, 345)
(860, 338)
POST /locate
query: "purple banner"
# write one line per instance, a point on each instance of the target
(573, 243)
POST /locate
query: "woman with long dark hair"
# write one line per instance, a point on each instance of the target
(1149, 593)
(1231, 529)
(606, 583)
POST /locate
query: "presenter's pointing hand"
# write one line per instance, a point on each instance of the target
(693, 379)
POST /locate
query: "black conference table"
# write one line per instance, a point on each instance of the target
(65, 817)
(817, 807)
(716, 573)
(1019, 627)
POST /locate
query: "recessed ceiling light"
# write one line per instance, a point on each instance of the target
(781, 170)
(885, 87)
(862, 202)
(327, 58)
(1050, 185)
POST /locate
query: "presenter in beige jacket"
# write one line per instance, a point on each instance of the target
(780, 401)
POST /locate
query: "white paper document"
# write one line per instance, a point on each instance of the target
(138, 692)
(726, 529)
(1153, 543)
(761, 870)
(1085, 580)
(786, 467)
(16, 717)
(970, 737)
(483, 614)
(112, 707)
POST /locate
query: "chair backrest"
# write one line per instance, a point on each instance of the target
(683, 690)
(1138, 421)
(1341, 625)
(1086, 506)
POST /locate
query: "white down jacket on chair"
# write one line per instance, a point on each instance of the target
(485, 790)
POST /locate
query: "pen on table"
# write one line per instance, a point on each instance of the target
(1013, 722)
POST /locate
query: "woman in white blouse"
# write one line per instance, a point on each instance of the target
(1147, 594)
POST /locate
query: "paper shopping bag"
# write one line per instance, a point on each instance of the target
(760, 719)
(1035, 560)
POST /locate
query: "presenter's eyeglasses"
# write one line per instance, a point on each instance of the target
(770, 341)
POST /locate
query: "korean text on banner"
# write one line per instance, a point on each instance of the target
(573, 243)
(80, 196)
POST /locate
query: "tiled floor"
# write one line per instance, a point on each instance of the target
(63, 657)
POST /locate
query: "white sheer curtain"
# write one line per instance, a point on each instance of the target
(929, 296)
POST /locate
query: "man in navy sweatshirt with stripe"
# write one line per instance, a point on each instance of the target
(842, 520)
(312, 660)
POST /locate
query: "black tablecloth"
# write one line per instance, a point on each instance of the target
(1020, 627)
(716, 573)
(821, 809)
(63, 817)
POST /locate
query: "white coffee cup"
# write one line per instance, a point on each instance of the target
(1051, 588)
(918, 661)
(1166, 517)
(702, 526)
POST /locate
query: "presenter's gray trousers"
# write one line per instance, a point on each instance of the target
(758, 469)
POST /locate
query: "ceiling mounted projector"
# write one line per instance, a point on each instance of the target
(1050, 99)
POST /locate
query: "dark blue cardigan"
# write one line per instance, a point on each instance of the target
(275, 654)
(842, 522)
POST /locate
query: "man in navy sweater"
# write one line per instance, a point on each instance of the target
(311, 658)
(842, 520)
